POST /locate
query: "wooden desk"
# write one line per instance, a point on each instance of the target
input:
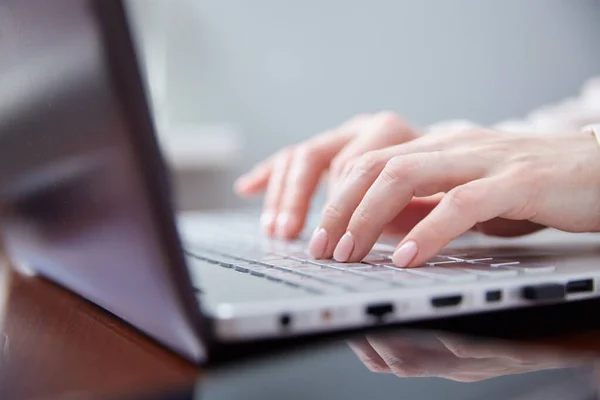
(58, 344)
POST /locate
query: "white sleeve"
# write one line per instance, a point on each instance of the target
(570, 114)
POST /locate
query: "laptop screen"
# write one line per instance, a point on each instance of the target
(83, 193)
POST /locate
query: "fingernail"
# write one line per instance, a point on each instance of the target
(267, 219)
(282, 223)
(405, 254)
(344, 248)
(318, 243)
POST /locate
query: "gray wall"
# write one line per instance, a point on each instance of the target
(283, 70)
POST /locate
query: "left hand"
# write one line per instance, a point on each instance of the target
(551, 180)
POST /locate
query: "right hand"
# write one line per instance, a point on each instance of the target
(472, 360)
(291, 176)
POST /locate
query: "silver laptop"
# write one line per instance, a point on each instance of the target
(85, 202)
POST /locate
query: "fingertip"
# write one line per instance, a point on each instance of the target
(247, 187)
(405, 254)
(267, 221)
(288, 226)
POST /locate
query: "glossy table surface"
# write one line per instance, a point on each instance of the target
(58, 346)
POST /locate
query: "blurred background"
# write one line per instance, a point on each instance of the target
(234, 80)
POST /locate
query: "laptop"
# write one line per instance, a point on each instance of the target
(85, 202)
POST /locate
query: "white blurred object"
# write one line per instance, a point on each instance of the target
(191, 147)
(185, 146)
(150, 21)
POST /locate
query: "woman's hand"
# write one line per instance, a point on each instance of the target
(460, 360)
(552, 180)
(291, 176)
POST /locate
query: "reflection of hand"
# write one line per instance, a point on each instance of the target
(552, 180)
(291, 176)
(451, 358)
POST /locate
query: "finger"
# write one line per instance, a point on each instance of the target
(441, 142)
(459, 211)
(339, 210)
(308, 164)
(406, 359)
(428, 143)
(254, 181)
(477, 348)
(383, 130)
(403, 178)
(412, 214)
(274, 190)
(369, 357)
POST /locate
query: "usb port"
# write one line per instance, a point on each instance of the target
(380, 311)
(446, 301)
(581, 286)
(493, 296)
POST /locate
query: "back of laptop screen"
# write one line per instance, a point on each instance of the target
(83, 195)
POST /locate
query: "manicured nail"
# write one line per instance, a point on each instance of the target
(318, 243)
(344, 248)
(267, 219)
(405, 254)
(282, 225)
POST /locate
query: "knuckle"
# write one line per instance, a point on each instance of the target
(307, 153)
(497, 147)
(393, 123)
(400, 169)
(407, 164)
(463, 198)
(362, 216)
(332, 213)
(368, 163)
(388, 116)
(462, 351)
(403, 369)
(359, 118)
(375, 366)
(284, 154)
(337, 166)
(468, 133)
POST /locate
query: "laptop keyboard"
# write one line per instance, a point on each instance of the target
(289, 264)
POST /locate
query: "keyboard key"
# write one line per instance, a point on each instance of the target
(282, 262)
(377, 269)
(472, 259)
(386, 255)
(495, 262)
(376, 259)
(410, 279)
(445, 274)
(444, 262)
(298, 255)
(370, 286)
(531, 269)
(347, 279)
(257, 268)
(306, 267)
(325, 288)
(439, 259)
(338, 265)
(491, 272)
(334, 275)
